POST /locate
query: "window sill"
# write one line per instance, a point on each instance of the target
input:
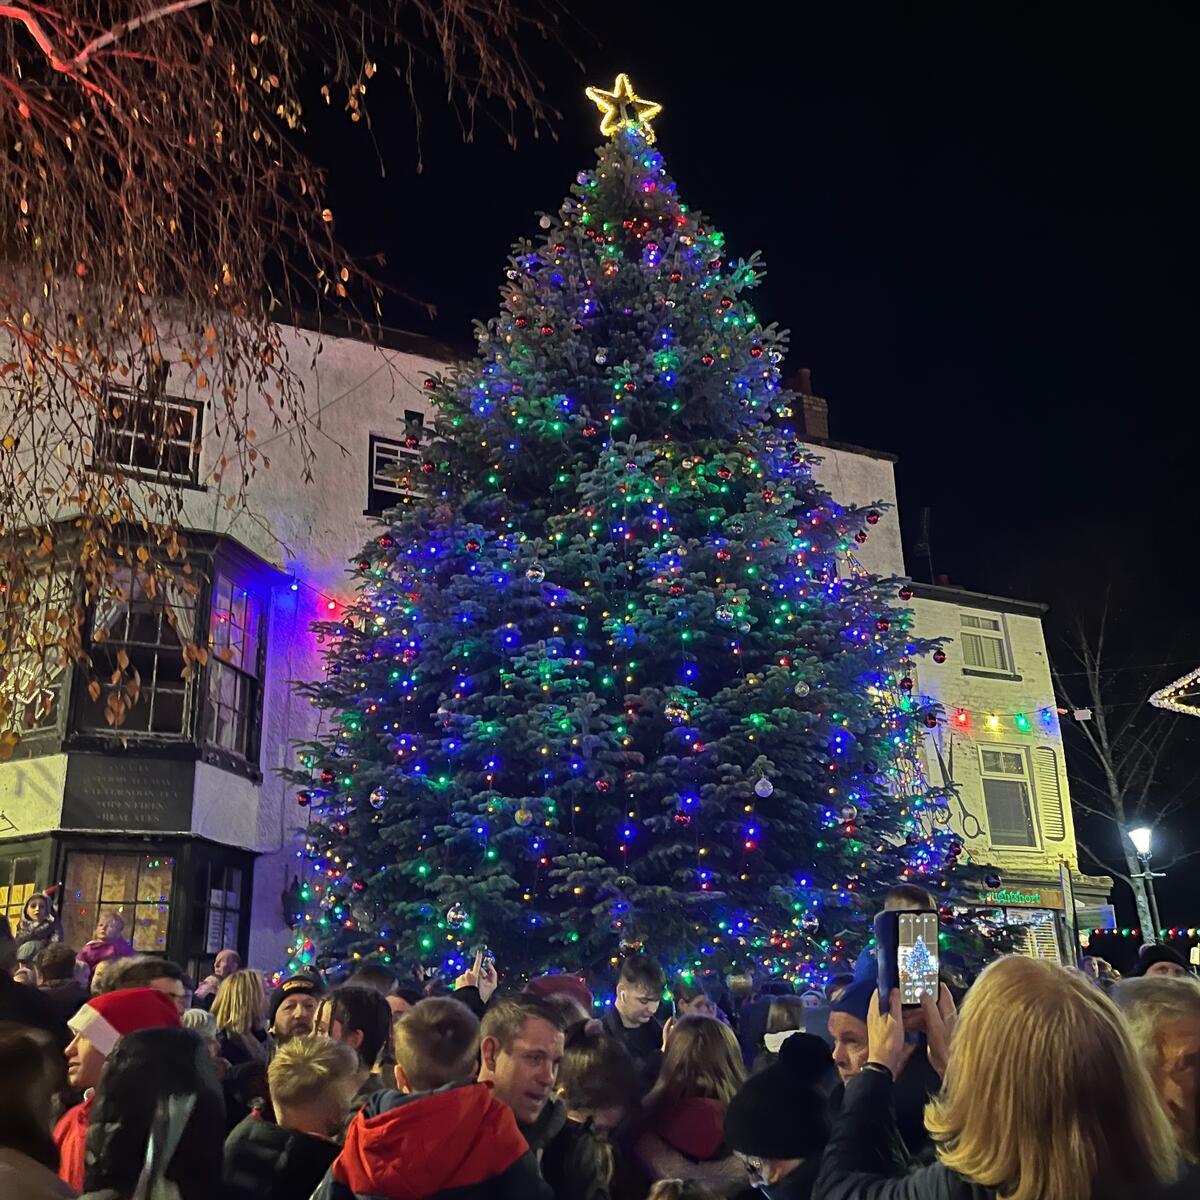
(1005, 676)
(120, 742)
(224, 761)
(107, 468)
(38, 744)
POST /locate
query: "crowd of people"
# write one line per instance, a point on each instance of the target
(123, 1079)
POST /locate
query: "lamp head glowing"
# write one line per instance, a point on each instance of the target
(1141, 838)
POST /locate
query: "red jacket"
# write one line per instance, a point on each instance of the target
(458, 1140)
(70, 1136)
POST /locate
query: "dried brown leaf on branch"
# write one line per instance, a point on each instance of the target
(158, 211)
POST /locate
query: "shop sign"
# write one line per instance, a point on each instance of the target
(127, 794)
(1016, 898)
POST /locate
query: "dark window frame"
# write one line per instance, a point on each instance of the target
(187, 690)
(384, 493)
(157, 404)
(14, 909)
(211, 556)
(164, 904)
(56, 679)
(1023, 782)
(229, 568)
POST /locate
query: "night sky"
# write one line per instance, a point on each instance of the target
(981, 235)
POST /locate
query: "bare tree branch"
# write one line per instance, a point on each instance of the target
(1123, 757)
(1103, 864)
(161, 216)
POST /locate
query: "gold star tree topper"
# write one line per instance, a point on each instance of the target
(623, 106)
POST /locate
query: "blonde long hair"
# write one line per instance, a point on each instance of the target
(1044, 1096)
(240, 1004)
(702, 1061)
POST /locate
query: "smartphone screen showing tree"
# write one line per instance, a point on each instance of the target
(917, 955)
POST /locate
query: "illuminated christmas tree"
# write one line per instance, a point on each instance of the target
(616, 679)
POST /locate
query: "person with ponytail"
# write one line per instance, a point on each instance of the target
(597, 1084)
(682, 1131)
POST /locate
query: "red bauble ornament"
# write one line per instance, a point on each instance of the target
(676, 589)
(303, 799)
(883, 625)
(872, 518)
(707, 360)
(905, 593)
(724, 473)
(559, 248)
(939, 656)
(429, 384)
(428, 467)
(860, 536)
(726, 302)
(387, 540)
(676, 277)
(723, 555)
(630, 386)
(473, 547)
(602, 785)
(906, 684)
(931, 721)
(756, 352)
(589, 431)
(520, 322)
(547, 330)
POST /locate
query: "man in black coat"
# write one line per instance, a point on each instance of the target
(20, 1002)
(54, 966)
(632, 1020)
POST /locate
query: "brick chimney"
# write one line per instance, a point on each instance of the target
(814, 410)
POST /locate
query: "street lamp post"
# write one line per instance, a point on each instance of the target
(1142, 839)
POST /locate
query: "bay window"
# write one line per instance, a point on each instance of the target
(141, 622)
(234, 671)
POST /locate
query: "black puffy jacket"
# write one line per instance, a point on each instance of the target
(865, 1125)
(263, 1161)
(569, 1155)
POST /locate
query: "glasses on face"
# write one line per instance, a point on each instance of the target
(755, 1167)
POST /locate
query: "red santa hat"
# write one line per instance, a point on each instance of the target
(103, 1020)
(545, 986)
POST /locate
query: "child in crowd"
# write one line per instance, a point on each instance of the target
(682, 1131)
(441, 1133)
(312, 1082)
(597, 1084)
(691, 1000)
